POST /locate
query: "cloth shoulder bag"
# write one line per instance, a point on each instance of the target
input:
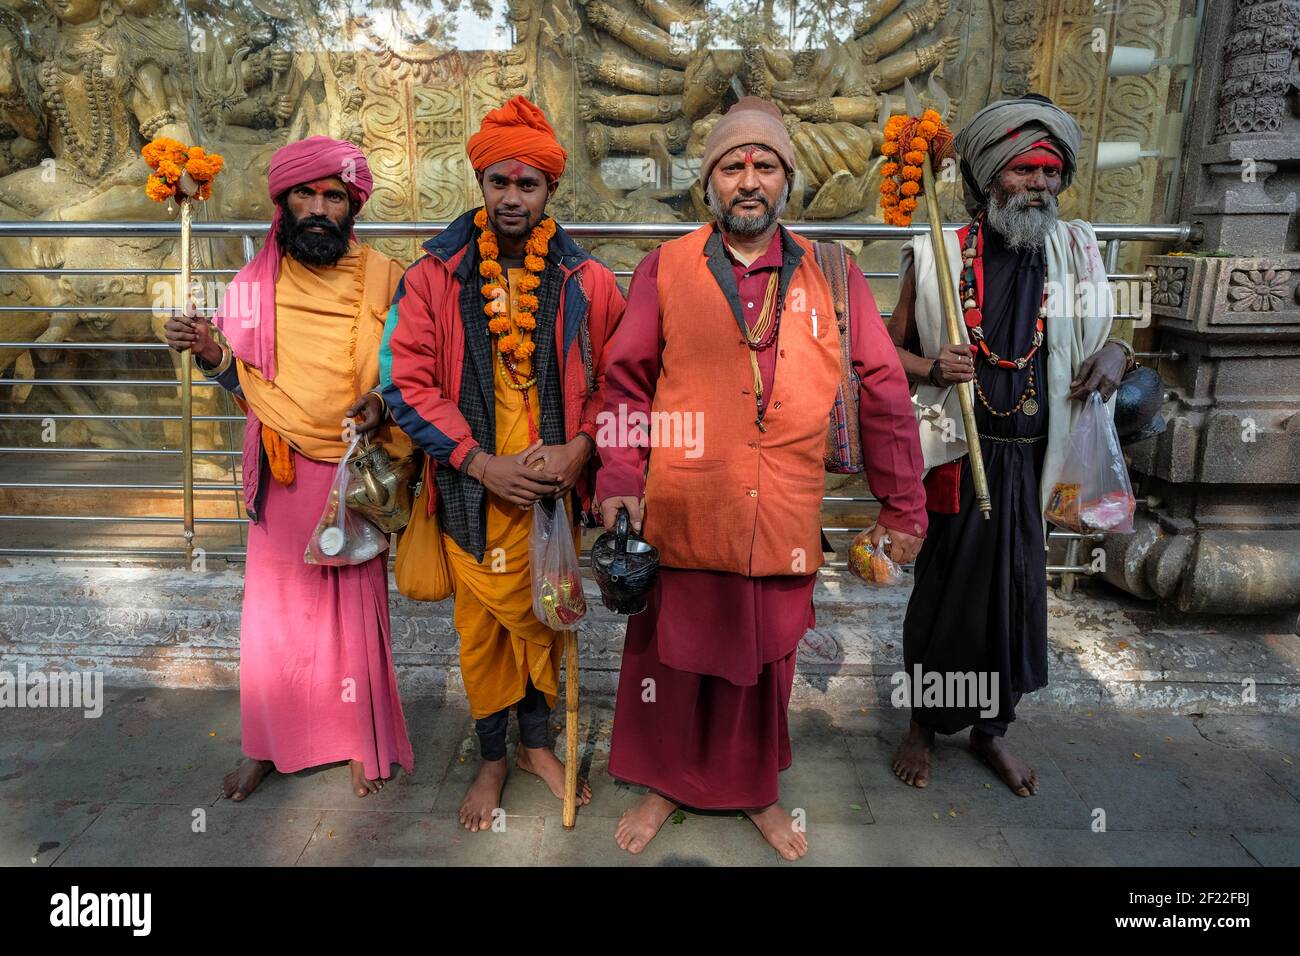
(843, 455)
(421, 569)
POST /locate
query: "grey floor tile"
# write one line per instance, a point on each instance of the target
(1270, 849)
(963, 790)
(699, 839)
(150, 746)
(36, 832)
(1172, 848)
(1053, 847)
(232, 835)
(353, 838)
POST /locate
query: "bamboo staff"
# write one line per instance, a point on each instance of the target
(952, 317)
(570, 729)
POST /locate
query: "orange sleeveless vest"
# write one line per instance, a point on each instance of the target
(741, 500)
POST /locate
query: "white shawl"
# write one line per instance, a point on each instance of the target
(1078, 324)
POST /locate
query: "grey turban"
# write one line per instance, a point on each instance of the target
(1005, 129)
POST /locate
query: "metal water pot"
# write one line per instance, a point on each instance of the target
(380, 489)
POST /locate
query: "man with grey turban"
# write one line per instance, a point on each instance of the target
(1036, 304)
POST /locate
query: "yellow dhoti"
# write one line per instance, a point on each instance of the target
(502, 643)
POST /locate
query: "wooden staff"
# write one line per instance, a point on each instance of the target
(570, 729)
(187, 417)
(952, 318)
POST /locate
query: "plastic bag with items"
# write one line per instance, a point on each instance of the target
(558, 600)
(343, 537)
(1092, 494)
(871, 564)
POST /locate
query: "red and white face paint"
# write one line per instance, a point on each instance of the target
(1039, 169)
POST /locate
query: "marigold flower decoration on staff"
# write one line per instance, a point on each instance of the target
(915, 147)
(171, 161)
(907, 140)
(185, 174)
(515, 344)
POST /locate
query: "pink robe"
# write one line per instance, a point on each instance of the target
(316, 678)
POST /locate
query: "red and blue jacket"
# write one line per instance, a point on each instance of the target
(422, 357)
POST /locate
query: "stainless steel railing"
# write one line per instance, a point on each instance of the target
(1112, 234)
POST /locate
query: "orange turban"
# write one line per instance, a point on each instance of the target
(519, 131)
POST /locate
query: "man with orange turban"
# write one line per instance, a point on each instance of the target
(301, 325)
(493, 362)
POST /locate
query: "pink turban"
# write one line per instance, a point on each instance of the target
(247, 314)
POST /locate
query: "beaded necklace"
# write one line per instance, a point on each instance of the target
(971, 295)
(514, 345)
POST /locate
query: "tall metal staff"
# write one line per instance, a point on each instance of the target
(940, 146)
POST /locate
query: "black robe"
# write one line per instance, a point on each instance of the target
(979, 603)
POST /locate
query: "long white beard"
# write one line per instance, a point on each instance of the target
(1021, 225)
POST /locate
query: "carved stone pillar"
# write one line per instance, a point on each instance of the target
(1220, 529)
(1240, 178)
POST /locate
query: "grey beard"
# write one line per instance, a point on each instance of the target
(747, 226)
(1021, 225)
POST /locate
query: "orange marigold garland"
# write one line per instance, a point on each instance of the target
(907, 140)
(514, 340)
(171, 161)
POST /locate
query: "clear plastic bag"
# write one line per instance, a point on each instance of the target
(871, 564)
(343, 537)
(558, 600)
(1092, 494)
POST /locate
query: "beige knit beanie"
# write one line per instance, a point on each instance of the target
(751, 120)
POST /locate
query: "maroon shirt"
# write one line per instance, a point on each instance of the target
(891, 446)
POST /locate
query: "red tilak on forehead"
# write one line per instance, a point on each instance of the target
(321, 185)
(1040, 155)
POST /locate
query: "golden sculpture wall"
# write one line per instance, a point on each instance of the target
(632, 87)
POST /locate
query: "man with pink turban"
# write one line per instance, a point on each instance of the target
(300, 331)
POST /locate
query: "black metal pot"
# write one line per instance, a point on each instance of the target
(1137, 405)
(625, 566)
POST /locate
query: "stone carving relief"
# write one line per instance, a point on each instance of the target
(632, 86)
(1258, 290)
(1259, 66)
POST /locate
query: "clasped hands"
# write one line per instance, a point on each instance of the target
(539, 471)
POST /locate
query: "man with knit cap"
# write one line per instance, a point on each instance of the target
(493, 362)
(743, 340)
(301, 325)
(979, 604)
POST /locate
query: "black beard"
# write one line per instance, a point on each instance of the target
(313, 248)
(522, 231)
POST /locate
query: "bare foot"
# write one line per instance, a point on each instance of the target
(541, 762)
(360, 785)
(1015, 773)
(912, 758)
(243, 780)
(483, 795)
(638, 826)
(777, 827)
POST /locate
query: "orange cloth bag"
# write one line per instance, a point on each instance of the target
(421, 568)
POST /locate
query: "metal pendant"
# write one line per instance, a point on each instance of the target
(1030, 407)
